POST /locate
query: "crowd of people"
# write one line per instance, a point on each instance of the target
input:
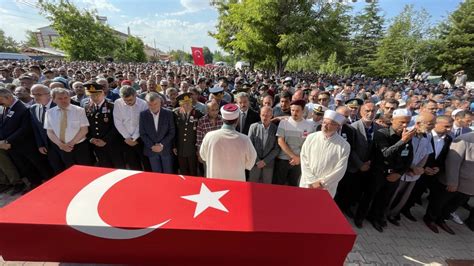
(376, 145)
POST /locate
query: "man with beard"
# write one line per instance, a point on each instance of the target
(362, 159)
(324, 155)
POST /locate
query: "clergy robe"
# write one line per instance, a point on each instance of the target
(324, 159)
(227, 154)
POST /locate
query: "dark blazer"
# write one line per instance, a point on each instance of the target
(388, 152)
(252, 117)
(15, 127)
(464, 130)
(440, 161)
(363, 150)
(41, 137)
(164, 135)
(271, 150)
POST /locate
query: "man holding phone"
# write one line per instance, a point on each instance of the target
(393, 157)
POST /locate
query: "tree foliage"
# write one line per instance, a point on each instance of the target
(132, 50)
(82, 37)
(367, 28)
(181, 56)
(207, 55)
(405, 46)
(31, 39)
(7, 43)
(270, 32)
(458, 40)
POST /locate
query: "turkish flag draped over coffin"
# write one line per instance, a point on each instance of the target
(198, 56)
(98, 215)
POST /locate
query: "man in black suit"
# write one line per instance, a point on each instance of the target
(42, 95)
(392, 158)
(157, 130)
(247, 115)
(435, 165)
(16, 137)
(364, 150)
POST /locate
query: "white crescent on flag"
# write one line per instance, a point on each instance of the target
(82, 213)
(197, 53)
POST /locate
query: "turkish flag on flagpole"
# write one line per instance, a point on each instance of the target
(198, 56)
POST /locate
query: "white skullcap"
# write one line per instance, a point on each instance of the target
(230, 111)
(401, 112)
(453, 114)
(335, 116)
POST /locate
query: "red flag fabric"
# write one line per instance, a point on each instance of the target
(198, 56)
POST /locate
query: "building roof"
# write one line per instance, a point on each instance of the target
(45, 50)
(13, 56)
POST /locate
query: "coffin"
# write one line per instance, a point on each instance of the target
(99, 215)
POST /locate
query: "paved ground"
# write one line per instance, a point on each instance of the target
(410, 244)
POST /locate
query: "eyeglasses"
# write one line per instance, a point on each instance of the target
(39, 94)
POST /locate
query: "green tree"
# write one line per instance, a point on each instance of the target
(331, 66)
(218, 56)
(31, 39)
(459, 40)
(207, 55)
(7, 44)
(181, 56)
(367, 32)
(81, 36)
(405, 46)
(132, 50)
(271, 32)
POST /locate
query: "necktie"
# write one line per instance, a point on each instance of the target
(63, 125)
(242, 122)
(5, 113)
(458, 132)
(43, 113)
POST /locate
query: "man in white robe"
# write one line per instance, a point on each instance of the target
(227, 152)
(324, 155)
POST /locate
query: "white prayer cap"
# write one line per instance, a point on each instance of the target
(230, 111)
(335, 116)
(453, 114)
(401, 112)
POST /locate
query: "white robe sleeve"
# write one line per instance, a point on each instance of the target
(204, 149)
(251, 155)
(333, 178)
(307, 176)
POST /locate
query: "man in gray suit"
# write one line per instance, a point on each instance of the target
(455, 186)
(263, 137)
(363, 149)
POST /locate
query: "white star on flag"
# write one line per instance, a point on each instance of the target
(206, 199)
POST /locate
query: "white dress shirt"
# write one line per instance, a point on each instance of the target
(76, 118)
(156, 118)
(39, 110)
(126, 118)
(438, 143)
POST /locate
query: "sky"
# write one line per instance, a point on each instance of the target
(174, 24)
